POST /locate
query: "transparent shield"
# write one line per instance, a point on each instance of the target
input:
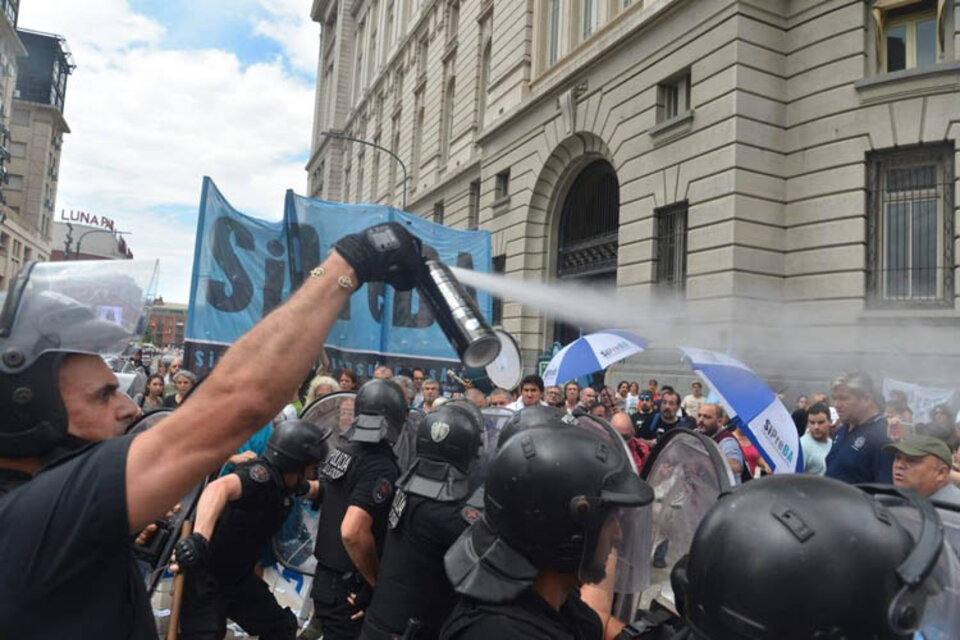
(293, 543)
(941, 614)
(89, 307)
(147, 421)
(334, 410)
(493, 420)
(687, 473)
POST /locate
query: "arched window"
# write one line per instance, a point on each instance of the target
(446, 131)
(589, 222)
(587, 238)
(484, 82)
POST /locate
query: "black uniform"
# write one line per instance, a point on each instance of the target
(227, 586)
(361, 475)
(65, 539)
(527, 617)
(412, 582)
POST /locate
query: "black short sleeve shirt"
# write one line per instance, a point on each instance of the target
(528, 617)
(375, 477)
(67, 570)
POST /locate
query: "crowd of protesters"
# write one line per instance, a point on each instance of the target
(849, 432)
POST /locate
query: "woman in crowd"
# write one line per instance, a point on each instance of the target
(153, 398)
(349, 381)
(184, 381)
(320, 386)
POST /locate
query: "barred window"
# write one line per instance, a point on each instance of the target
(909, 250)
(670, 258)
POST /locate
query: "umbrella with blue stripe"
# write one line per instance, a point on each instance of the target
(592, 352)
(764, 419)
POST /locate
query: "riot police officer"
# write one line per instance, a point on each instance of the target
(359, 478)
(798, 557)
(561, 510)
(427, 515)
(68, 506)
(236, 516)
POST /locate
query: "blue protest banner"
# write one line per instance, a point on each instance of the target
(245, 266)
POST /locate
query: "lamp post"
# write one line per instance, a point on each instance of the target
(403, 167)
(87, 233)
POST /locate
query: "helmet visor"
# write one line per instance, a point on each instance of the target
(616, 567)
(92, 307)
(941, 589)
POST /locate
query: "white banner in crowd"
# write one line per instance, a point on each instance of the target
(920, 399)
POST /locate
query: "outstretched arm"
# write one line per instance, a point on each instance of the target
(236, 399)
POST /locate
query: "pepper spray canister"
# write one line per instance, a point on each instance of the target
(458, 316)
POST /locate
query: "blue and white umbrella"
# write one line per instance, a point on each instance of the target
(592, 352)
(765, 420)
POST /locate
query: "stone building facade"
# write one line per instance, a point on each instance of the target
(772, 178)
(34, 89)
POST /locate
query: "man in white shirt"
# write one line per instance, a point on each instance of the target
(693, 401)
(815, 442)
(531, 392)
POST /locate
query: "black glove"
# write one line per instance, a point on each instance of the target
(363, 595)
(383, 253)
(191, 551)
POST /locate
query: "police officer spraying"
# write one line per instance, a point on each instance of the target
(69, 506)
(561, 510)
(236, 516)
(359, 478)
(427, 515)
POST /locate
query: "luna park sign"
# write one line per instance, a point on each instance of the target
(86, 218)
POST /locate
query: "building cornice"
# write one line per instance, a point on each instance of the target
(58, 118)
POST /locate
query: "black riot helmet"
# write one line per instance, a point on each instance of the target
(561, 496)
(379, 413)
(447, 446)
(537, 415)
(295, 443)
(800, 556)
(53, 310)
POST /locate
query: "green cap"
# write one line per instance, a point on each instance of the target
(917, 446)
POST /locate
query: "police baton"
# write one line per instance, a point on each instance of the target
(176, 599)
(410, 633)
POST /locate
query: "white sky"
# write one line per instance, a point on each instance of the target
(167, 91)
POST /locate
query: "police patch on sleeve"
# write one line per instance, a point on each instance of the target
(258, 473)
(382, 489)
(470, 514)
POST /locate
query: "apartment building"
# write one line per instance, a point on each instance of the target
(777, 176)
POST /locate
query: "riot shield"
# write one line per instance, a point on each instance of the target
(154, 557)
(493, 420)
(293, 543)
(687, 473)
(941, 612)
